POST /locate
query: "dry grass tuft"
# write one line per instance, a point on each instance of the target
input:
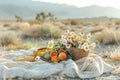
(32, 32)
(20, 26)
(115, 55)
(44, 31)
(108, 37)
(9, 38)
(97, 29)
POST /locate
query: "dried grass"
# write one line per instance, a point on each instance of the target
(108, 37)
(115, 55)
(20, 26)
(9, 38)
(46, 30)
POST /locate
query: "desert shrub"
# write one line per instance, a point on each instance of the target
(6, 25)
(32, 32)
(117, 22)
(108, 37)
(50, 31)
(74, 22)
(97, 29)
(43, 31)
(66, 22)
(8, 38)
(61, 25)
(20, 26)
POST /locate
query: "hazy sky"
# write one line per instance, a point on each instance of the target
(82, 3)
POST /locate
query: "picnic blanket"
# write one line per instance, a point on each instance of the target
(88, 67)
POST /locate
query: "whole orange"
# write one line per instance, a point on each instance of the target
(62, 56)
(53, 53)
(61, 50)
(54, 59)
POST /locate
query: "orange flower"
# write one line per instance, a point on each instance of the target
(53, 53)
(54, 59)
(62, 56)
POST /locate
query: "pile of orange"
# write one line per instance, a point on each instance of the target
(57, 56)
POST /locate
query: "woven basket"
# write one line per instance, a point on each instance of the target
(79, 53)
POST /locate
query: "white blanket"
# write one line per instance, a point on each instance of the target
(88, 67)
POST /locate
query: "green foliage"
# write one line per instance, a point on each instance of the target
(42, 17)
(18, 18)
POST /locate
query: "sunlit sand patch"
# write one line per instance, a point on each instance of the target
(115, 55)
(116, 71)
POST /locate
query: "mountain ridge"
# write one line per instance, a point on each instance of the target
(28, 10)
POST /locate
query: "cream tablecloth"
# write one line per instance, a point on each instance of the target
(88, 67)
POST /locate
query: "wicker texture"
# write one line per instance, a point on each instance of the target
(79, 53)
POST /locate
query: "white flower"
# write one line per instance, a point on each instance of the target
(50, 44)
(85, 44)
(63, 37)
(64, 41)
(69, 40)
(79, 38)
(37, 58)
(67, 33)
(82, 33)
(86, 48)
(89, 36)
(68, 46)
(89, 42)
(93, 45)
(71, 34)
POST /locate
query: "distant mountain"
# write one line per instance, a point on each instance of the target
(28, 10)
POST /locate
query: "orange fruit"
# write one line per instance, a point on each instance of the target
(62, 56)
(61, 50)
(54, 59)
(53, 53)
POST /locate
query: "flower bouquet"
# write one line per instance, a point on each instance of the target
(70, 46)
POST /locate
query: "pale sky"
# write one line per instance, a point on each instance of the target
(82, 3)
